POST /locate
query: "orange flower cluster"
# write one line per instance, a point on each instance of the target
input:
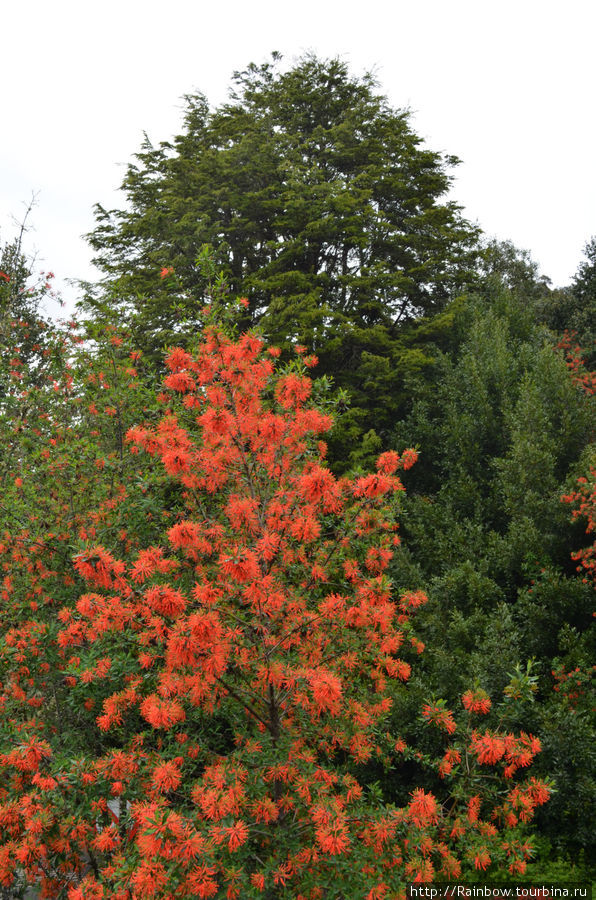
(439, 716)
(477, 702)
(515, 752)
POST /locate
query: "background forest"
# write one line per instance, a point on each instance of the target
(312, 199)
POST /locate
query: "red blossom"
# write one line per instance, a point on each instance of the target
(423, 808)
(440, 716)
(477, 702)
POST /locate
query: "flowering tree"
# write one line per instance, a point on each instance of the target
(575, 360)
(231, 677)
(583, 499)
(583, 495)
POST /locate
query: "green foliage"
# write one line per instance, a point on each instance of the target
(503, 265)
(320, 204)
(583, 292)
(573, 308)
(503, 430)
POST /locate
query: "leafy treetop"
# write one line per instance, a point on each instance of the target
(320, 202)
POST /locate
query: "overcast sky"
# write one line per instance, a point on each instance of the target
(506, 86)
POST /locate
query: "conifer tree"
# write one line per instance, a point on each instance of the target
(320, 204)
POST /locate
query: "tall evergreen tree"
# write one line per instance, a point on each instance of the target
(22, 322)
(573, 308)
(321, 204)
(583, 289)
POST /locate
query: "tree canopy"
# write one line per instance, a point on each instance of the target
(320, 204)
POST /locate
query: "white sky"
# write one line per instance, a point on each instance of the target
(506, 86)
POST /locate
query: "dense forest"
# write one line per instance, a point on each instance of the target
(296, 526)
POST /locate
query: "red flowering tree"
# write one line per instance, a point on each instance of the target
(234, 676)
(575, 359)
(583, 495)
(583, 499)
(579, 681)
